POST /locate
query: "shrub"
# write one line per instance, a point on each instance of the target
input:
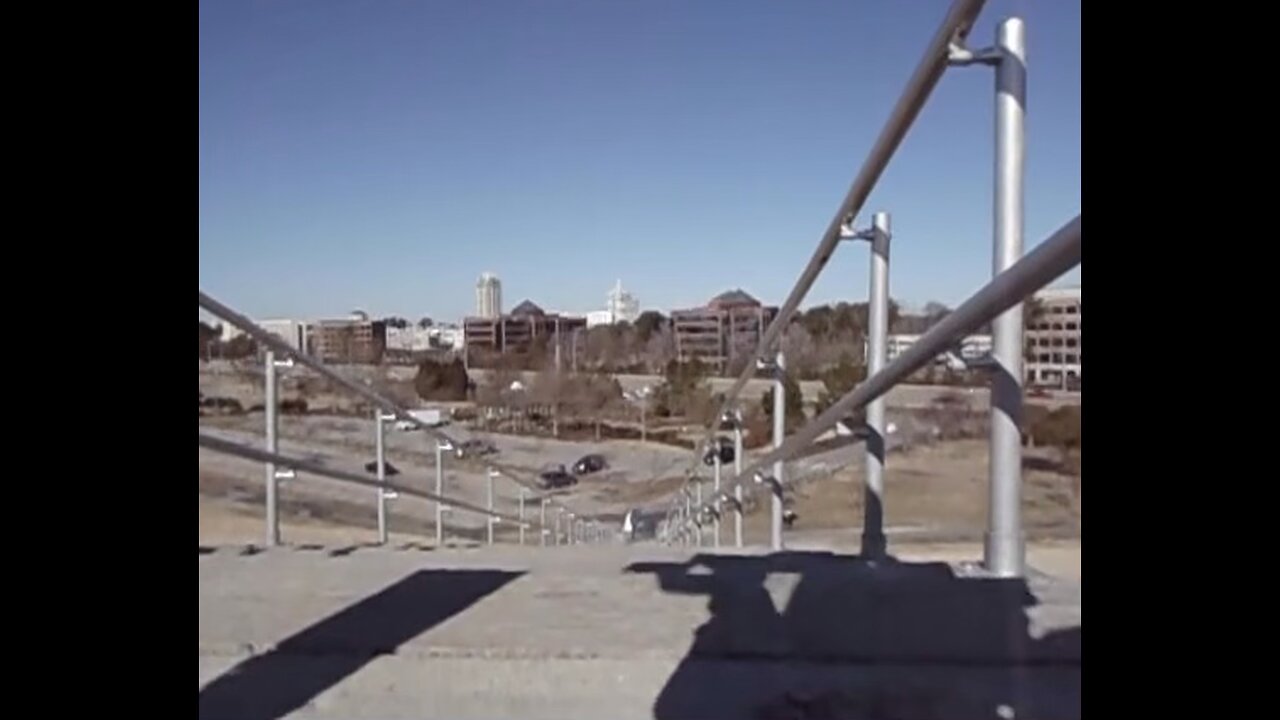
(447, 382)
(1059, 428)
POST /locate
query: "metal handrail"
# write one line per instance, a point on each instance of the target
(252, 453)
(954, 28)
(275, 343)
(1055, 256)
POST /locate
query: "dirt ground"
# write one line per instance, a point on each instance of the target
(936, 491)
(228, 523)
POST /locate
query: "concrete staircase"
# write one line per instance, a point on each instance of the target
(626, 632)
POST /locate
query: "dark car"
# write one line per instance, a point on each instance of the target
(388, 470)
(474, 448)
(589, 464)
(725, 447)
(557, 477)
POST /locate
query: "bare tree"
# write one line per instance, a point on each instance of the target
(549, 389)
(659, 349)
(801, 351)
(593, 395)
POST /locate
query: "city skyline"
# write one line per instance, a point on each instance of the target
(388, 154)
(1065, 284)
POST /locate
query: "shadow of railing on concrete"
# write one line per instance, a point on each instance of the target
(279, 682)
(859, 639)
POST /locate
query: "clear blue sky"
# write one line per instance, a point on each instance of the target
(381, 154)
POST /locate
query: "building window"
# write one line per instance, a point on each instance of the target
(1057, 326)
(1044, 342)
(1072, 342)
(1072, 326)
(1073, 310)
(1072, 359)
(1044, 357)
(1057, 358)
(1057, 342)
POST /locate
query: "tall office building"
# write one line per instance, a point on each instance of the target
(622, 305)
(1053, 338)
(488, 296)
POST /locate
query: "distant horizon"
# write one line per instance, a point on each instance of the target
(910, 308)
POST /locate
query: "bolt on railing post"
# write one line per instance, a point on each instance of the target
(271, 410)
(873, 538)
(522, 494)
(1004, 550)
(779, 436)
(737, 488)
(381, 461)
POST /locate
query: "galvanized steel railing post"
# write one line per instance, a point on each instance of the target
(381, 461)
(271, 408)
(441, 447)
(779, 436)
(715, 488)
(1004, 551)
(873, 538)
(737, 474)
(489, 495)
(523, 491)
(697, 486)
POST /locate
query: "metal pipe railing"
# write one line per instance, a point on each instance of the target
(274, 343)
(298, 464)
(1055, 256)
(954, 28)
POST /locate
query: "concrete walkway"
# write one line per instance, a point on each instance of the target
(627, 632)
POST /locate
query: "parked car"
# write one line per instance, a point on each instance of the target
(725, 446)
(388, 470)
(556, 477)
(474, 448)
(589, 464)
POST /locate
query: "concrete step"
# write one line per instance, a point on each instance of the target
(626, 631)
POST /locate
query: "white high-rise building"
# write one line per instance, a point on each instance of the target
(488, 296)
(622, 305)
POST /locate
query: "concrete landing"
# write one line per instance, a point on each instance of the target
(627, 632)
